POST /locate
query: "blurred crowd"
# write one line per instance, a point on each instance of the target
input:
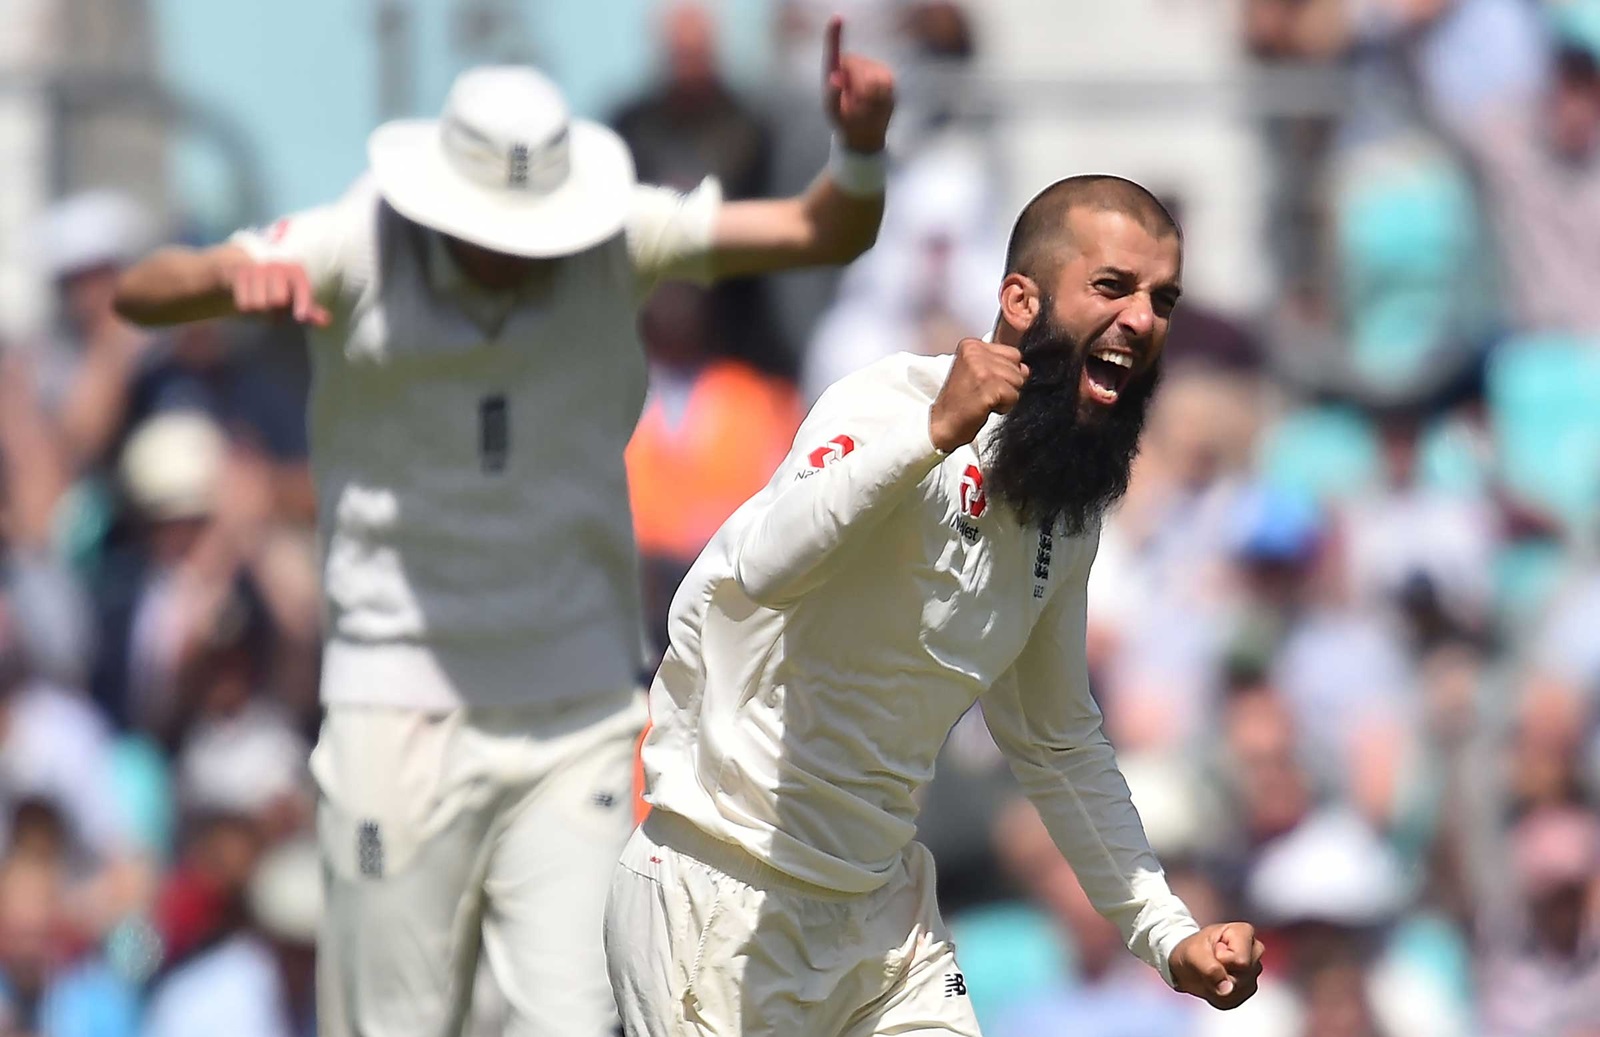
(1343, 628)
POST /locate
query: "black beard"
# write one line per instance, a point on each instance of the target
(1048, 461)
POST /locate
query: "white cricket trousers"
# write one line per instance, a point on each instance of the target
(704, 940)
(482, 828)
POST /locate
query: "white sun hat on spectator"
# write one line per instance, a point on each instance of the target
(286, 891)
(94, 229)
(506, 167)
(1165, 793)
(171, 464)
(1334, 869)
(243, 764)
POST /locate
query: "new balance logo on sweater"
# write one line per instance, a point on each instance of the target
(955, 985)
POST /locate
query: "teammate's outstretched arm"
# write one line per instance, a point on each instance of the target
(836, 218)
(176, 285)
(287, 270)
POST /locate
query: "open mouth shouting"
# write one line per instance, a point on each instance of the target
(1106, 372)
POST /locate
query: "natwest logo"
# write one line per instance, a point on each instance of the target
(973, 499)
(831, 451)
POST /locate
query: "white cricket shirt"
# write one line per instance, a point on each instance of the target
(467, 449)
(844, 619)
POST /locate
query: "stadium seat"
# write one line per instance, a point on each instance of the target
(1324, 452)
(1009, 952)
(1544, 399)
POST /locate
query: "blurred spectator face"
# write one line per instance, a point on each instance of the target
(1277, 541)
(1272, 789)
(1575, 106)
(86, 297)
(1285, 29)
(226, 669)
(690, 38)
(1337, 1004)
(30, 901)
(38, 833)
(170, 541)
(675, 325)
(940, 30)
(1399, 452)
(1556, 854)
(84, 241)
(228, 850)
(200, 347)
(1200, 426)
(1546, 747)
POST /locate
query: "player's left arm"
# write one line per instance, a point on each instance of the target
(835, 219)
(699, 237)
(1047, 723)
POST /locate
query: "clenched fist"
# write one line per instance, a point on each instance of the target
(858, 95)
(1219, 964)
(985, 379)
(276, 288)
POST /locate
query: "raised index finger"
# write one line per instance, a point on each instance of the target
(831, 37)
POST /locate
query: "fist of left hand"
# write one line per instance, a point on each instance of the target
(1220, 964)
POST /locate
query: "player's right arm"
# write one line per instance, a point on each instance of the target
(856, 457)
(178, 285)
(290, 269)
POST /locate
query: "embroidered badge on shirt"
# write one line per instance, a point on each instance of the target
(827, 454)
(972, 501)
(1041, 561)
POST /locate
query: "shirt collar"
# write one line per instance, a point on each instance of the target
(448, 281)
(444, 276)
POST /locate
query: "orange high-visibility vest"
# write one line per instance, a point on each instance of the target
(685, 480)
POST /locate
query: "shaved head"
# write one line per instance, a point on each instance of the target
(1042, 235)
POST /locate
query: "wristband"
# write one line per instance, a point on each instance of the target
(855, 174)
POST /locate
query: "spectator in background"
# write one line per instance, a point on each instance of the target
(1159, 590)
(206, 531)
(52, 741)
(1107, 994)
(1523, 98)
(51, 985)
(1540, 967)
(692, 125)
(712, 432)
(52, 613)
(202, 899)
(1266, 789)
(1337, 897)
(1343, 671)
(238, 751)
(1420, 551)
(86, 368)
(1547, 741)
(256, 979)
(55, 745)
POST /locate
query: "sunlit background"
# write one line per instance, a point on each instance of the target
(1345, 628)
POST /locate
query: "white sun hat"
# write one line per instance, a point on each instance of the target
(506, 167)
(171, 464)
